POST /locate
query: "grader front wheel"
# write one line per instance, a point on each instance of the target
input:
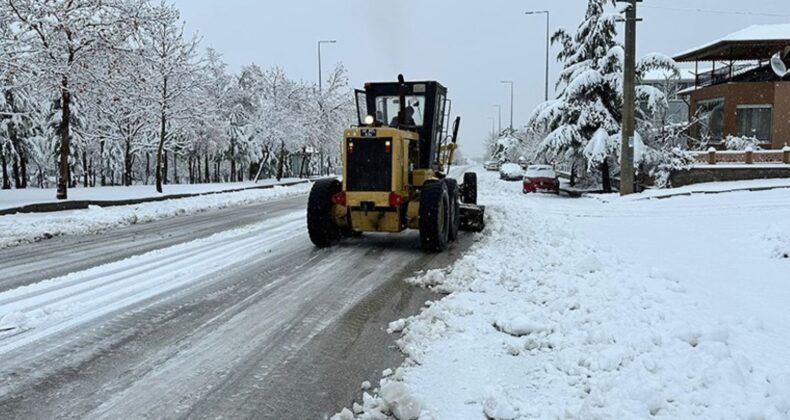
(321, 226)
(435, 217)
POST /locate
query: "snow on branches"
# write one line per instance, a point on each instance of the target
(119, 93)
(583, 124)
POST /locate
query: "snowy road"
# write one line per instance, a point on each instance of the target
(229, 313)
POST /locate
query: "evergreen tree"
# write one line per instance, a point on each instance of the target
(584, 122)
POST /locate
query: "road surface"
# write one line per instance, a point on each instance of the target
(228, 314)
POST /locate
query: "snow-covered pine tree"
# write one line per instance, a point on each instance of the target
(584, 122)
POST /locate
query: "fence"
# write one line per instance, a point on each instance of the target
(748, 157)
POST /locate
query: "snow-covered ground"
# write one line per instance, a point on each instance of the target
(21, 228)
(18, 198)
(604, 309)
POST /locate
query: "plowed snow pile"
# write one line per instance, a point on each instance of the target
(604, 308)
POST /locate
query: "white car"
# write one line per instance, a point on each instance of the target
(511, 172)
(491, 165)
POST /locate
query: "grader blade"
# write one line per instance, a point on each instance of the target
(472, 218)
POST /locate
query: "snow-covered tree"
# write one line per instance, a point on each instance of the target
(62, 40)
(584, 122)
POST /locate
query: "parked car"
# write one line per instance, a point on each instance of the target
(511, 172)
(491, 165)
(541, 178)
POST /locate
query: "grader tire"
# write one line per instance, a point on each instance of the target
(455, 208)
(434, 217)
(320, 223)
(469, 189)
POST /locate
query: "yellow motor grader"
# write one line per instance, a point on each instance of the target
(395, 171)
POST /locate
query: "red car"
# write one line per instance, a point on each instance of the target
(541, 178)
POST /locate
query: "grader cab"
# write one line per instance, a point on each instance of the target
(396, 163)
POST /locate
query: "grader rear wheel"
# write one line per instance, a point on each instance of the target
(434, 217)
(455, 208)
(469, 188)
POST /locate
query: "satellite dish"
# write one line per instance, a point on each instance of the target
(779, 66)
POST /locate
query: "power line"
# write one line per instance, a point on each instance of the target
(718, 12)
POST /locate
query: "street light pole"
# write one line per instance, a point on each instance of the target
(509, 82)
(320, 74)
(548, 43)
(499, 107)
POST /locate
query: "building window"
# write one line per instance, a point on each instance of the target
(755, 121)
(711, 120)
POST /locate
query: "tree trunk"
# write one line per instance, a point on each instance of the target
(165, 168)
(281, 162)
(15, 171)
(6, 183)
(23, 168)
(175, 166)
(208, 174)
(65, 139)
(84, 169)
(128, 163)
(161, 147)
(607, 178)
(101, 163)
(232, 159)
(573, 175)
(147, 168)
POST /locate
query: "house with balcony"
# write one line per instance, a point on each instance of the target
(740, 92)
(671, 84)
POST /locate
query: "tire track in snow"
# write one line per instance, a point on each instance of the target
(54, 305)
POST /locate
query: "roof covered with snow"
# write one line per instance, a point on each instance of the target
(757, 42)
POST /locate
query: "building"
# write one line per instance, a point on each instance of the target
(671, 84)
(741, 94)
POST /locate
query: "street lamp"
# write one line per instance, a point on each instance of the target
(548, 43)
(509, 82)
(320, 83)
(499, 107)
(493, 126)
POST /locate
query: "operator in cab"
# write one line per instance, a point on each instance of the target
(409, 118)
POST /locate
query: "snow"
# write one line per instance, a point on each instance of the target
(21, 228)
(752, 33)
(19, 198)
(607, 308)
(707, 188)
(37, 311)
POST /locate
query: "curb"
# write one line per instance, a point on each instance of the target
(84, 204)
(690, 193)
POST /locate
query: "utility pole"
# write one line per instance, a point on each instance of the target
(629, 101)
(320, 73)
(511, 102)
(548, 43)
(499, 107)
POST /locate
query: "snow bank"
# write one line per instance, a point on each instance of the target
(22, 228)
(19, 198)
(563, 314)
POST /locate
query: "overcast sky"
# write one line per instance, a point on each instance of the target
(468, 45)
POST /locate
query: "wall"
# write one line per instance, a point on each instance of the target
(713, 174)
(776, 94)
(781, 115)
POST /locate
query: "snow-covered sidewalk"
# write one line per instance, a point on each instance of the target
(623, 309)
(21, 228)
(19, 198)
